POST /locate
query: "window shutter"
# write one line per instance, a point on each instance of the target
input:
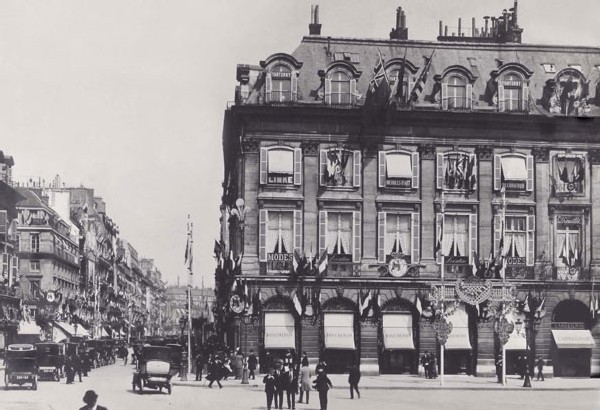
(415, 235)
(529, 185)
(353, 91)
(444, 96)
(415, 169)
(322, 167)
(497, 172)
(356, 237)
(268, 87)
(14, 278)
(297, 166)
(472, 235)
(328, 91)
(439, 223)
(294, 86)
(3, 222)
(525, 98)
(501, 105)
(440, 171)
(357, 165)
(382, 172)
(5, 262)
(497, 233)
(474, 176)
(530, 240)
(263, 165)
(469, 102)
(262, 235)
(381, 237)
(298, 230)
(322, 232)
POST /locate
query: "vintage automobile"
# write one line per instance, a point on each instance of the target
(21, 365)
(49, 360)
(154, 369)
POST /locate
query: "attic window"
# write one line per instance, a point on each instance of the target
(549, 67)
(338, 56)
(575, 66)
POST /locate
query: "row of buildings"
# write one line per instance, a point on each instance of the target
(454, 181)
(67, 270)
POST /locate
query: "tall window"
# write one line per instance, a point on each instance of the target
(35, 243)
(569, 249)
(457, 92)
(515, 240)
(513, 172)
(340, 167)
(398, 235)
(339, 233)
(398, 169)
(456, 235)
(34, 265)
(281, 77)
(340, 88)
(280, 232)
(280, 166)
(513, 92)
(457, 171)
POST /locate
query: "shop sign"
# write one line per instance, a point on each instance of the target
(567, 325)
(399, 182)
(279, 262)
(516, 261)
(339, 258)
(569, 219)
(281, 75)
(515, 186)
(456, 260)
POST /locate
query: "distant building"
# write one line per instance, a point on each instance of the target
(176, 305)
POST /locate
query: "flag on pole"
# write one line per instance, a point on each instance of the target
(378, 92)
(592, 306)
(397, 93)
(439, 243)
(297, 304)
(418, 304)
(526, 305)
(297, 262)
(189, 258)
(323, 262)
(420, 84)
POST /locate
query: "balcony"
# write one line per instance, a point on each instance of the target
(570, 274)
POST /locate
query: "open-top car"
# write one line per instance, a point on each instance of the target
(21, 365)
(154, 370)
(49, 360)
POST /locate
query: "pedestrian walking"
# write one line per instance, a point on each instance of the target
(269, 381)
(280, 384)
(292, 386)
(427, 365)
(322, 384)
(521, 366)
(433, 366)
(69, 369)
(252, 362)
(305, 376)
(423, 362)
(77, 366)
(90, 398)
(540, 368)
(353, 379)
(215, 372)
(321, 365)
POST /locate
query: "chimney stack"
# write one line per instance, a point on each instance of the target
(486, 29)
(314, 28)
(515, 24)
(400, 32)
(473, 29)
(459, 26)
(441, 29)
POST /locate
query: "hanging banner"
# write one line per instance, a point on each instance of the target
(339, 331)
(398, 331)
(279, 331)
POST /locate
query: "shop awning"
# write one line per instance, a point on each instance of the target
(69, 329)
(398, 331)
(29, 328)
(339, 331)
(280, 331)
(573, 338)
(458, 339)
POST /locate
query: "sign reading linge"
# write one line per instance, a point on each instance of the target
(279, 331)
(398, 331)
(339, 331)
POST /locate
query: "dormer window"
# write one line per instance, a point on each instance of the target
(398, 169)
(281, 78)
(340, 84)
(280, 165)
(457, 88)
(513, 93)
(513, 172)
(340, 168)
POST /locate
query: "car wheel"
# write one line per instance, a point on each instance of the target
(169, 388)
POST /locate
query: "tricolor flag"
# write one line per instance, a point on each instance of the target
(364, 306)
(592, 306)
(540, 308)
(420, 84)
(564, 253)
(297, 262)
(526, 308)
(418, 304)
(189, 258)
(397, 93)
(323, 262)
(439, 243)
(297, 304)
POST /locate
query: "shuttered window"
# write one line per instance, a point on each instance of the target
(340, 233)
(339, 167)
(280, 166)
(456, 171)
(398, 169)
(398, 233)
(280, 232)
(514, 172)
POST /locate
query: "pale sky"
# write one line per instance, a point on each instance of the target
(127, 96)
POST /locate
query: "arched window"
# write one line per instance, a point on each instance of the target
(513, 92)
(457, 88)
(457, 92)
(340, 88)
(281, 78)
(508, 88)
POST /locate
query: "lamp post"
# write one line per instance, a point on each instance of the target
(534, 313)
(503, 328)
(247, 320)
(240, 212)
(183, 370)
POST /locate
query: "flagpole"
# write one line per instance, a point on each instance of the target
(442, 267)
(189, 301)
(503, 230)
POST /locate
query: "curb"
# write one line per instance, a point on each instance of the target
(422, 387)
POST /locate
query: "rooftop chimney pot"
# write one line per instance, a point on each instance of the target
(314, 28)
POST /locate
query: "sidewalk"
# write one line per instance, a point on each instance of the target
(413, 382)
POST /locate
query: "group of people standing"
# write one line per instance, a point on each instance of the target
(523, 367)
(429, 363)
(79, 364)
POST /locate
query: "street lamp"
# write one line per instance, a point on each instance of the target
(183, 372)
(519, 328)
(240, 212)
(247, 320)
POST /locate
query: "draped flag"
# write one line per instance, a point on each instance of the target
(378, 93)
(397, 94)
(323, 262)
(364, 306)
(439, 243)
(526, 308)
(418, 304)
(297, 304)
(189, 258)
(420, 84)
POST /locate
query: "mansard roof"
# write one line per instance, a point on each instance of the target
(484, 61)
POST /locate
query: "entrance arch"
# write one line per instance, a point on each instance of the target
(340, 334)
(399, 337)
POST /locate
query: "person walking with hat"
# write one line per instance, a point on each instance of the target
(91, 399)
(322, 384)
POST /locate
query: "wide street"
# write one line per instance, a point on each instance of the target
(113, 385)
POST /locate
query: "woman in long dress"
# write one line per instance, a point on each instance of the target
(305, 375)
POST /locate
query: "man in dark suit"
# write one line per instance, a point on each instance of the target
(269, 381)
(280, 385)
(90, 399)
